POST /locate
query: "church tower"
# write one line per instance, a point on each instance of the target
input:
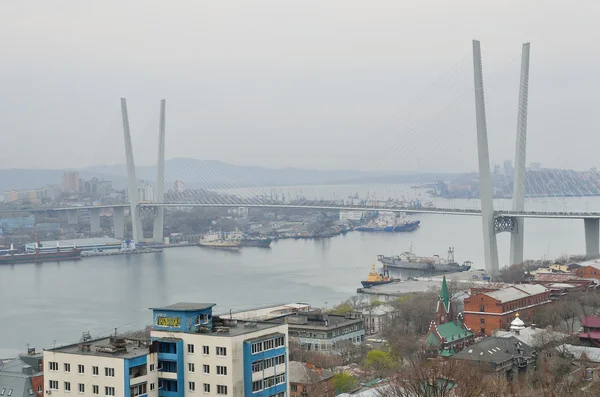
(444, 312)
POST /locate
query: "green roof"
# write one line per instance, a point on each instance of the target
(450, 331)
(445, 295)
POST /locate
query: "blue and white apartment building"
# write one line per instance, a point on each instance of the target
(189, 353)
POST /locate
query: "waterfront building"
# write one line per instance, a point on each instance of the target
(589, 269)
(70, 182)
(447, 333)
(10, 223)
(323, 332)
(356, 216)
(22, 376)
(487, 311)
(189, 352)
(309, 381)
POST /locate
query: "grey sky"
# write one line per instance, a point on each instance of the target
(281, 83)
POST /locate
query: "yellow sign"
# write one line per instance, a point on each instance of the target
(168, 321)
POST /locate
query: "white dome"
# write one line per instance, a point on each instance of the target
(517, 323)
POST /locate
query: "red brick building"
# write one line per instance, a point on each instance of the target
(485, 312)
(589, 269)
(591, 331)
(309, 381)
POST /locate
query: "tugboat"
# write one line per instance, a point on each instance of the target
(378, 279)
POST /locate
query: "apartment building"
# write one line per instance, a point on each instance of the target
(189, 352)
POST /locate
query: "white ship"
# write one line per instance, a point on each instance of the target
(217, 240)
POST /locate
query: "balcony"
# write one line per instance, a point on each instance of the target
(167, 375)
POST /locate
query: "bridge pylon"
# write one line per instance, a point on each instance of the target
(136, 221)
(520, 177)
(158, 232)
(490, 247)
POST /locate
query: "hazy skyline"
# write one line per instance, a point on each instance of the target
(287, 84)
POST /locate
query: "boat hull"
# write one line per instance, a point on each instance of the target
(220, 247)
(369, 284)
(262, 243)
(407, 227)
(70, 255)
(425, 266)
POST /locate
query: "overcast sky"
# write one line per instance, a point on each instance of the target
(287, 83)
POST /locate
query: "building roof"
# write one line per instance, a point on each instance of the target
(529, 336)
(595, 263)
(507, 294)
(316, 320)
(185, 307)
(306, 374)
(15, 375)
(592, 353)
(450, 331)
(380, 310)
(531, 289)
(495, 350)
(445, 295)
(591, 321)
(267, 313)
(228, 330)
(101, 347)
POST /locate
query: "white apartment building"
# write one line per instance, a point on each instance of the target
(190, 353)
(351, 215)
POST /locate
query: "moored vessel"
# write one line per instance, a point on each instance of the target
(59, 254)
(375, 278)
(216, 240)
(410, 261)
(389, 223)
(256, 242)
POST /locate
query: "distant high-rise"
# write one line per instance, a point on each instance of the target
(179, 186)
(70, 182)
(508, 168)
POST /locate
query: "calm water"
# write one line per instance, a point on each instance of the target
(43, 304)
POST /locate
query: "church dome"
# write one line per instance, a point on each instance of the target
(517, 323)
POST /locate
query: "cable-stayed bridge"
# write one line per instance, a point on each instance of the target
(450, 108)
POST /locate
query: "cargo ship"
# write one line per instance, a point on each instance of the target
(377, 279)
(394, 225)
(410, 261)
(216, 240)
(9, 256)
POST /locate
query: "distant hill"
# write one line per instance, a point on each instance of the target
(213, 174)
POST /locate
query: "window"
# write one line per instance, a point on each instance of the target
(269, 382)
(279, 341)
(40, 389)
(109, 391)
(81, 388)
(152, 386)
(151, 367)
(30, 392)
(138, 390)
(191, 367)
(222, 351)
(280, 360)
(192, 386)
(256, 386)
(294, 387)
(80, 369)
(191, 349)
(67, 386)
(52, 385)
(482, 321)
(206, 369)
(268, 363)
(268, 344)
(67, 367)
(53, 365)
(221, 370)
(205, 350)
(482, 308)
(2, 391)
(280, 379)
(95, 370)
(9, 392)
(109, 372)
(206, 388)
(257, 366)
(222, 389)
(257, 347)
(95, 389)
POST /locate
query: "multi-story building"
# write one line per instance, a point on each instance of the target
(201, 353)
(22, 376)
(324, 332)
(189, 352)
(70, 182)
(11, 223)
(487, 311)
(309, 381)
(378, 318)
(589, 269)
(351, 215)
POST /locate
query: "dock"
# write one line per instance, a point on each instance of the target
(87, 254)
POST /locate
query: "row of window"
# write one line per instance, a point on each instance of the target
(221, 369)
(53, 366)
(221, 389)
(221, 351)
(258, 366)
(108, 390)
(267, 382)
(268, 344)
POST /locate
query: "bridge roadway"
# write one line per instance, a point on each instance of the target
(441, 211)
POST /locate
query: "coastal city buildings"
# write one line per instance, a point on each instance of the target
(307, 380)
(589, 269)
(488, 310)
(70, 182)
(189, 352)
